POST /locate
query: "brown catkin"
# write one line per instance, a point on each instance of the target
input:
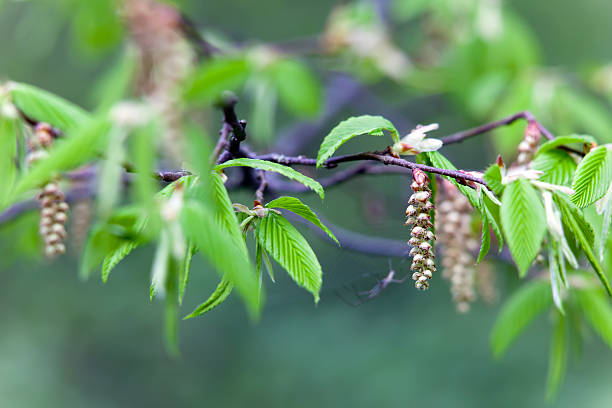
(81, 217)
(453, 219)
(485, 283)
(419, 219)
(53, 209)
(529, 145)
(166, 59)
(53, 206)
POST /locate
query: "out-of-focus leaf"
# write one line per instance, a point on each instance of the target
(593, 177)
(296, 206)
(261, 124)
(277, 168)
(351, 127)
(115, 83)
(598, 312)
(289, 248)
(79, 148)
(44, 106)
(218, 247)
(220, 294)
(523, 222)
(215, 76)
(557, 358)
(521, 309)
(184, 271)
(8, 156)
(298, 89)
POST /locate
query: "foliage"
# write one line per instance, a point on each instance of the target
(548, 205)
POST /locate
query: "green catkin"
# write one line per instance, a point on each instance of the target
(419, 219)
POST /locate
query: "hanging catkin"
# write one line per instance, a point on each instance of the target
(419, 219)
(53, 206)
(453, 218)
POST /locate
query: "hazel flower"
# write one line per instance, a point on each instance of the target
(415, 142)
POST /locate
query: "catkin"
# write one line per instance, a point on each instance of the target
(53, 206)
(419, 219)
(453, 218)
(166, 59)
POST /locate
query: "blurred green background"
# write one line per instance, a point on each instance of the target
(68, 343)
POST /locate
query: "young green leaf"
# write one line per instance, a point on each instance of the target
(112, 259)
(523, 220)
(348, 129)
(219, 248)
(521, 309)
(289, 248)
(493, 178)
(221, 293)
(598, 312)
(296, 206)
(558, 167)
(583, 232)
(485, 239)
(593, 177)
(277, 168)
(562, 141)
(44, 106)
(184, 271)
(557, 357)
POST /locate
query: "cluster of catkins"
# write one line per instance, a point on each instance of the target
(166, 59)
(453, 219)
(529, 145)
(52, 201)
(419, 219)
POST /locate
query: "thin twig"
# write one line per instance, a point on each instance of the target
(466, 134)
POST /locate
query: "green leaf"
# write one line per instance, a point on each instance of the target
(221, 293)
(521, 309)
(218, 247)
(44, 106)
(562, 141)
(523, 221)
(493, 178)
(277, 168)
(486, 212)
(289, 248)
(485, 240)
(112, 259)
(8, 156)
(557, 358)
(348, 129)
(106, 238)
(598, 312)
(296, 206)
(558, 167)
(298, 89)
(583, 232)
(593, 177)
(184, 271)
(570, 214)
(214, 77)
(224, 212)
(68, 154)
